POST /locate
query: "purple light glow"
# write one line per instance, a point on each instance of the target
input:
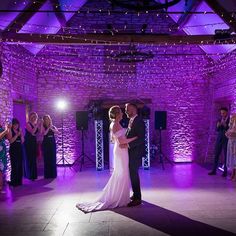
(213, 22)
(183, 177)
(178, 84)
(7, 17)
(222, 49)
(52, 25)
(34, 25)
(176, 8)
(182, 141)
(49, 20)
(203, 25)
(71, 5)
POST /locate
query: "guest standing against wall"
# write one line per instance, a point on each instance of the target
(49, 147)
(3, 153)
(32, 127)
(231, 148)
(16, 140)
(221, 141)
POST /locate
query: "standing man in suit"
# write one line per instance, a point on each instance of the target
(221, 141)
(136, 149)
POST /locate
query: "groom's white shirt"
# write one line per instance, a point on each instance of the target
(131, 121)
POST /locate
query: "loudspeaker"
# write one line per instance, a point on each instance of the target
(82, 120)
(160, 119)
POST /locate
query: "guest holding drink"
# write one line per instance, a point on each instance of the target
(49, 147)
(231, 148)
(32, 127)
(16, 140)
(3, 153)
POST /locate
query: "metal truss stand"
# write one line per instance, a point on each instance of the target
(99, 145)
(63, 160)
(146, 159)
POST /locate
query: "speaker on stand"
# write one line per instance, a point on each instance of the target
(82, 125)
(160, 124)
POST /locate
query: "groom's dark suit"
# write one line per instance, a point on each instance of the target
(136, 152)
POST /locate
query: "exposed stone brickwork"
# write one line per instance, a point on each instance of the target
(223, 87)
(177, 84)
(179, 79)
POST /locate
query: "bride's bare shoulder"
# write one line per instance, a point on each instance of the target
(114, 127)
(111, 126)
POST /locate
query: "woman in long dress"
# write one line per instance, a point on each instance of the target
(32, 128)
(49, 147)
(16, 140)
(231, 148)
(117, 190)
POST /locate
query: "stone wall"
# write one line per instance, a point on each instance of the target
(5, 90)
(174, 82)
(223, 87)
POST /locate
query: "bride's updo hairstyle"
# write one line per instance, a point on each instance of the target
(113, 112)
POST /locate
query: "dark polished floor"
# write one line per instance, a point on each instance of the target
(181, 200)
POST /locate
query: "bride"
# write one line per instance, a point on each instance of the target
(117, 190)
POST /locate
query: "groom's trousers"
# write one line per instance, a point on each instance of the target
(134, 164)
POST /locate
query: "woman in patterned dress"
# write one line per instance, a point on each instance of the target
(3, 153)
(231, 148)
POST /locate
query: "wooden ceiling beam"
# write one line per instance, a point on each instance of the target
(186, 16)
(226, 16)
(23, 17)
(58, 12)
(117, 39)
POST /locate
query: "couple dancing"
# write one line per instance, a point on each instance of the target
(129, 148)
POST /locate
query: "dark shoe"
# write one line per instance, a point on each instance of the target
(132, 198)
(212, 173)
(134, 203)
(224, 174)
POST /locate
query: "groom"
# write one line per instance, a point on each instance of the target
(136, 148)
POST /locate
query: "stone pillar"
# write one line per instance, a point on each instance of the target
(5, 89)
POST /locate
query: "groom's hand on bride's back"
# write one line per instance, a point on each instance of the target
(124, 145)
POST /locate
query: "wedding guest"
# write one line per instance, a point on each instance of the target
(49, 147)
(3, 154)
(221, 142)
(32, 127)
(231, 148)
(16, 140)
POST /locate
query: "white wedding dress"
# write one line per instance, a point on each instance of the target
(117, 191)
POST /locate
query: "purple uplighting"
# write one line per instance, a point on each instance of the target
(204, 25)
(171, 70)
(73, 5)
(7, 17)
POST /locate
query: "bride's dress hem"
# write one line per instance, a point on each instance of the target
(96, 210)
(116, 193)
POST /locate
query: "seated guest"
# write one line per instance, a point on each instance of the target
(221, 141)
(49, 147)
(3, 153)
(32, 127)
(231, 148)
(16, 140)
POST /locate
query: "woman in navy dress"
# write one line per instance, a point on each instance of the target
(16, 140)
(32, 127)
(49, 147)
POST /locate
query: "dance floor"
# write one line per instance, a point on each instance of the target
(180, 200)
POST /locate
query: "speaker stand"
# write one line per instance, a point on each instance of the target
(83, 156)
(162, 156)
